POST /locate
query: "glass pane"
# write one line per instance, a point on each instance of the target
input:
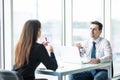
(1, 34)
(21, 14)
(85, 11)
(115, 34)
(47, 11)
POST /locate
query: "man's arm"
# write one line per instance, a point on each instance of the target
(107, 52)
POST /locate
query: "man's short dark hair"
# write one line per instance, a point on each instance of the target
(97, 23)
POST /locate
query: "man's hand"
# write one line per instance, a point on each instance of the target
(94, 61)
(79, 46)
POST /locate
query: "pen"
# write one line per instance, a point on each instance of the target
(45, 38)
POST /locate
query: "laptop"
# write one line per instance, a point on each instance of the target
(67, 54)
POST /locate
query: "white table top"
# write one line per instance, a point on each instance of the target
(69, 68)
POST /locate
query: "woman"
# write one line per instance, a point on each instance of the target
(29, 54)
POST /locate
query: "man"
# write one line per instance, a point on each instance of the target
(98, 50)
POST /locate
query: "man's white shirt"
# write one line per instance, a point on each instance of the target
(103, 49)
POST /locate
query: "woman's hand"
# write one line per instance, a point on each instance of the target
(50, 48)
(45, 43)
(43, 40)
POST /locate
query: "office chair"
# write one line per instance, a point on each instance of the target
(9, 75)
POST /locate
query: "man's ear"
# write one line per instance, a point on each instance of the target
(100, 31)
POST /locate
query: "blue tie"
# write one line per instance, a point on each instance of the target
(93, 53)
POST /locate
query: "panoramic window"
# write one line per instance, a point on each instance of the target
(48, 12)
(1, 34)
(115, 27)
(85, 11)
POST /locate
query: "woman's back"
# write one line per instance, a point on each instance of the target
(38, 54)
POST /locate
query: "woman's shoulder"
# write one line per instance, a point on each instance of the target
(38, 45)
(37, 48)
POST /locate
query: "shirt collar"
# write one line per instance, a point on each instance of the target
(96, 41)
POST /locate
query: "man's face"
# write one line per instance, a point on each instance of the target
(94, 31)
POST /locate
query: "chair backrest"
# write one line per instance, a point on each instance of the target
(9, 75)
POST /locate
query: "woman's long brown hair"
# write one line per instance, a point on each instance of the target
(28, 37)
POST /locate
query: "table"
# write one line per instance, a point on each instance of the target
(71, 68)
